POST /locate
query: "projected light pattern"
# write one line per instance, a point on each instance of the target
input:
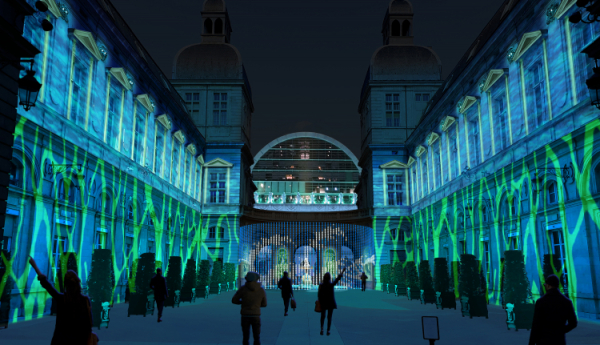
(307, 250)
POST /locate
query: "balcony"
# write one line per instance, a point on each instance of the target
(305, 202)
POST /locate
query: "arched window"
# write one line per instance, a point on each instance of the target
(406, 28)
(208, 26)
(396, 28)
(552, 197)
(218, 26)
(68, 190)
(15, 174)
(514, 205)
(597, 177)
(106, 203)
(130, 212)
(484, 214)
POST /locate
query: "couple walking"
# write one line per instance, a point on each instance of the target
(252, 297)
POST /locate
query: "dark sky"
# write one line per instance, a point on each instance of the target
(306, 60)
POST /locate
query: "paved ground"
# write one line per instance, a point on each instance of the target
(361, 318)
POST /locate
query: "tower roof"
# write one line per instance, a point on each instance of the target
(405, 62)
(400, 7)
(208, 61)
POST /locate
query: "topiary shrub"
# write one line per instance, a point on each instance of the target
(440, 273)
(146, 268)
(384, 276)
(173, 280)
(189, 281)
(412, 281)
(455, 278)
(516, 291)
(392, 278)
(100, 283)
(230, 274)
(473, 301)
(6, 284)
(217, 277)
(203, 278)
(400, 279)
(426, 283)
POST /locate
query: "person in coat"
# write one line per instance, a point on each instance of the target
(158, 283)
(73, 311)
(251, 297)
(363, 279)
(285, 284)
(553, 317)
(327, 298)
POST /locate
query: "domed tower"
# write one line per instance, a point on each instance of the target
(401, 80)
(211, 79)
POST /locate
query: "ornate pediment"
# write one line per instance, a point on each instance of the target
(526, 42)
(192, 149)
(433, 136)
(53, 8)
(218, 163)
(120, 74)
(420, 150)
(87, 39)
(164, 120)
(466, 103)
(411, 160)
(179, 136)
(200, 159)
(492, 77)
(447, 122)
(146, 102)
(393, 165)
(564, 6)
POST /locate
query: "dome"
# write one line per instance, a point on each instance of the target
(208, 61)
(214, 6)
(405, 62)
(400, 7)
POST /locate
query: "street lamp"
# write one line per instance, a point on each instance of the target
(29, 88)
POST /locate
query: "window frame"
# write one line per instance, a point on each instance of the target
(396, 175)
(80, 57)
(221, 115)
(392, 113)
(143, 143)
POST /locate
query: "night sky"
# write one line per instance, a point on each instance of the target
(306, 60)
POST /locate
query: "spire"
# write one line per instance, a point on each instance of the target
(216, 27)
(397, 25)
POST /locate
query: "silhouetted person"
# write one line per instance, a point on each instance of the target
(285, 284)
(552, 312)
(73, 310)
(252, 297)
(327, 299)
(158, 283)
(363, 279)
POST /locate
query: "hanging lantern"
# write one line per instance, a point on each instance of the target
(29, 89)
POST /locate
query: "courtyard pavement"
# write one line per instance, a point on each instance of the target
(361, 318)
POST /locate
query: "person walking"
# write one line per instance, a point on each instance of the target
(251, 297)
(285, 284)
(73, 311)
(364, 278)
(553, 317)
(158, 283)
(327, 298)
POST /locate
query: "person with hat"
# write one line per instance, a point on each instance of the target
(251, 297)
(285, 284)
(553, 317)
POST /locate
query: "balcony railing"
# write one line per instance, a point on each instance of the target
(305, 198)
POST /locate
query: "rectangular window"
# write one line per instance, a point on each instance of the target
(425, 97)
(79, 92)
(513, 243)
(220, 109)
(462, 249)
(394, 189)
(150, 246)
(100, 240)
(139, 134)
(536, 94)
(397, 256)
(218, 185)
(392, 108)
(558, 248)
(393, 234)
(453, 150)
(198, 180)
(186, 175)
(192, 101)
(438, 166)
(159, 149)
(424, 177)
(113, 119)
(501, 123)
(475, 148)
(418, 97)
(175, 170)
(59, 246)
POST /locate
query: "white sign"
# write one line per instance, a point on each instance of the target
(554, 227)
(430, 327)
(64, 222)
(12, 212)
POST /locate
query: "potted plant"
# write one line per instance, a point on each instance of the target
(67, 261)
(142, 298)
(173, 281)
(472, 301)
(400, 279)
(188, 288)
(230, 276)
(6, 284)
(412, 281)
(203, 279)
(392, 279)
(100, 286)
(444, 297)
(519, 310)
(426, 283)
(384, 277)
(217, 277)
